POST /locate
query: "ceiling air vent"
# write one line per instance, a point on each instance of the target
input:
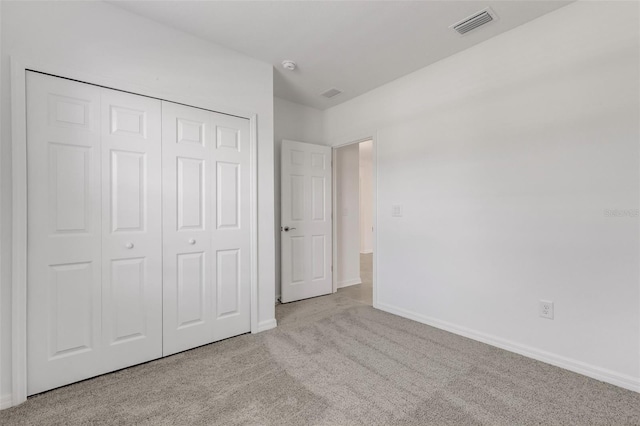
(474, 21)
(331, 93)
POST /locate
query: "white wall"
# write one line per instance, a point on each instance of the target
(347, 215)
(297, 122)
(294, 122)
(5, 312)
(505, 158)
(99, 39)
(366, 196)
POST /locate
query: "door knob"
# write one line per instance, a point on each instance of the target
(287, 229)
(192, 241)
(129, 245)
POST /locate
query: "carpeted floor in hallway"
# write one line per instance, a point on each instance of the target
(334, 360)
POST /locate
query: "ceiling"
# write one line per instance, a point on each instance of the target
(354, 46)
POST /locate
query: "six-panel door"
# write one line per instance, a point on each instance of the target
(306, 220)
(97, 193)
(94, 242)
(206, 227)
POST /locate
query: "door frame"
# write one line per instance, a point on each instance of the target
(19, 265)
(334, 213)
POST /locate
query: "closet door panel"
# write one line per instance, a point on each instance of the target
(187, 154)
(232, 233)
(131, 229)
(64, 216)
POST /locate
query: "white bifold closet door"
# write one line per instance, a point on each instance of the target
(206, 225)
(94, 231)
(139, 232)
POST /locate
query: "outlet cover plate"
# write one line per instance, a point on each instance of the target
(546, 309)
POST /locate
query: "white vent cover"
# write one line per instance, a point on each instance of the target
(331, 93)
(474, 21)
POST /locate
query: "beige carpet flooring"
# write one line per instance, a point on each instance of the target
(334, 360)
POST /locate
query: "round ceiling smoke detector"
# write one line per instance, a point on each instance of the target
(289, 65)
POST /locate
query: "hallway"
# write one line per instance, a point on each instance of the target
(362, 293)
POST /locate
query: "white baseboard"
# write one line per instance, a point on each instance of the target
(598, 373)
(347, 283)
(267, 325)
(6, 401)
(366, 251)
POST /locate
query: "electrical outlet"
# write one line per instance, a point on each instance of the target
(396, 210)
(546, 309)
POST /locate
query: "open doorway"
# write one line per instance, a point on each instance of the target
(353, 221)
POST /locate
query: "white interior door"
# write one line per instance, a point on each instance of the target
(94, 289)
(207, 278)
(306, 230)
